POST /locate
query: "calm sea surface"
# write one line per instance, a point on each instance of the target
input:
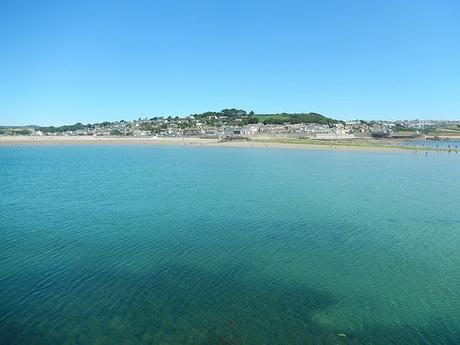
(434, 143)
(200, 245)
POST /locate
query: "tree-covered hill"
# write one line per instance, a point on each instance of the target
(295, 118)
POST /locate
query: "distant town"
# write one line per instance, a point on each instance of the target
(238, 124)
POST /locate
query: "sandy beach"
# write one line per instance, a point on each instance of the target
(87, 140)
(90, 140)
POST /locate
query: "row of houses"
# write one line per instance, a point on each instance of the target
(202, 130)
(215, 126)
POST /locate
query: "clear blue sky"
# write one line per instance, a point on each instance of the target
(88, 61)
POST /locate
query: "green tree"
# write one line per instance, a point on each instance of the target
(116, 132)
(22, 132)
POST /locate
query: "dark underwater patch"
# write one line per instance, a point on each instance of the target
(172, 304)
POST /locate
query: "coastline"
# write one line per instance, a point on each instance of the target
(193, 141)
(89, 140)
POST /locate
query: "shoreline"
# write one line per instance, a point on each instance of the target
(191, 141)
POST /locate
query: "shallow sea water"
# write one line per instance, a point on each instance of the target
(452, 144)
(201, 245)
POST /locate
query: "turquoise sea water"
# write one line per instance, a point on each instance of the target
(201, 245)
(434, 143)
